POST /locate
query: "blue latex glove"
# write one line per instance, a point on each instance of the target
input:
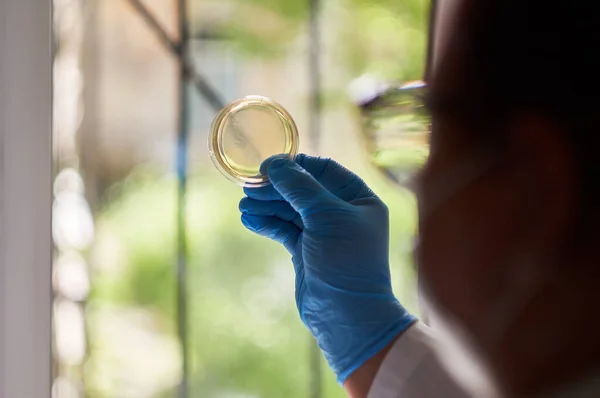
(336, 229)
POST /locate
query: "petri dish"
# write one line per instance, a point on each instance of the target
(248, 131)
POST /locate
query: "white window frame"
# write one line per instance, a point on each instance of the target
(25, 198)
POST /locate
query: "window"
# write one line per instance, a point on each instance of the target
(158, 287)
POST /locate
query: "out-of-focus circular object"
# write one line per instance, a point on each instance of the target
(396, 127)
(248, 131)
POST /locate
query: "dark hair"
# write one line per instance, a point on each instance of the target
(541, 56)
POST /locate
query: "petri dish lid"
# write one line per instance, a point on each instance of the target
(248, 131)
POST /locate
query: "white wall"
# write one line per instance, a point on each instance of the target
(25, 198)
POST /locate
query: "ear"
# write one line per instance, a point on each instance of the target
(549, 175)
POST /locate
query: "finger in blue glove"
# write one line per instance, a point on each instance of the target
(336, 229)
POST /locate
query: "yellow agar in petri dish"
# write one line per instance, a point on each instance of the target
(248, 131)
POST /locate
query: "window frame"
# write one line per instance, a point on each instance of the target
(25, 198)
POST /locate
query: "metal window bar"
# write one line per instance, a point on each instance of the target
(189, 74)
(315, 110)
(182, 165)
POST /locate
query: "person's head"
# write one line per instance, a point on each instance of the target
(509, 220)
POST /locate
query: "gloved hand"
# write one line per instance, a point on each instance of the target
(336, 229)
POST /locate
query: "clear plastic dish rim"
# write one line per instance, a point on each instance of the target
(217, 129)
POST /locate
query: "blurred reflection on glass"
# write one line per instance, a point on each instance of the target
(63, 387)
(395, 126)
(71, 276)
(73, 226)
(69, 332)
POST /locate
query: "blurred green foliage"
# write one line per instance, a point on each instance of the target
(382, 37)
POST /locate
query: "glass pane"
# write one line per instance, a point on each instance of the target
(116, 121)
(115, 199)
(247, 339)
(131, 317)
(244, 331)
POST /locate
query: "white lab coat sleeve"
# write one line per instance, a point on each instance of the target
(412, 369)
